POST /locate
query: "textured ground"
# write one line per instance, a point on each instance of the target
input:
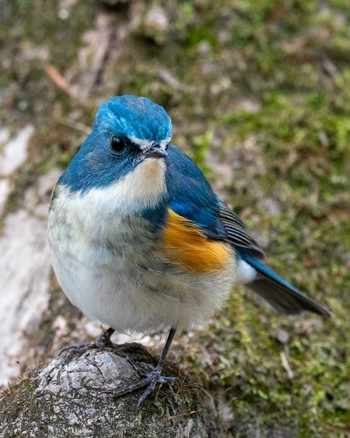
(259, 95)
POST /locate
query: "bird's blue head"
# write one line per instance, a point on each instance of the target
(127, 131)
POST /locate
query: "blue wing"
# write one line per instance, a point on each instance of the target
(192, 197)
(284, 297)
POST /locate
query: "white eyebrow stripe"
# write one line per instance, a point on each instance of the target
(147, 144)
(142, 143)
(164, 143)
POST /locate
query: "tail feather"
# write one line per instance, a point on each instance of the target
(284, 297)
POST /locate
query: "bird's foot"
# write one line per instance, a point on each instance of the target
(150, 382)
(102, 342)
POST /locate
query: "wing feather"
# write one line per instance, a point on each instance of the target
(193, 198)
(237, 233)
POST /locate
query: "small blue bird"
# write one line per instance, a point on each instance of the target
(140, 242)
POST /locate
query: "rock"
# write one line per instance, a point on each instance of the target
(67, 398)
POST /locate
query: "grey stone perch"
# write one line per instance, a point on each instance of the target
(67, 399)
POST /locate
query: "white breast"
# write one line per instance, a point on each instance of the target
(112, 266)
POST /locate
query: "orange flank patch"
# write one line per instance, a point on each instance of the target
(186, 246)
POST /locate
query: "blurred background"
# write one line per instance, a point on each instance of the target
(259, 96)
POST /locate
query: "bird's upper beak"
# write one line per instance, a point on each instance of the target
(155, 151)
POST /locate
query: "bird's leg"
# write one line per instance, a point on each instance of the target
(101, 342)
(152, 378)
(104, 340)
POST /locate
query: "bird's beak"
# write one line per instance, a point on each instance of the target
(155, 152)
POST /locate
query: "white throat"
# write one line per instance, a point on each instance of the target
(101, 208)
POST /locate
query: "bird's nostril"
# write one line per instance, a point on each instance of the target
(155, 151)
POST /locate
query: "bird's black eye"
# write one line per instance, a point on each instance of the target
(118, 144)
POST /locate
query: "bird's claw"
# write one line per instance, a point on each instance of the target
(102, 342)
(78, 348)
(149, 382)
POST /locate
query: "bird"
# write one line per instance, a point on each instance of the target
(140, 242)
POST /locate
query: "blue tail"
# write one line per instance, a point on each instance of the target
(284, 297)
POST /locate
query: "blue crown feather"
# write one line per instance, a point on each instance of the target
(134, 117)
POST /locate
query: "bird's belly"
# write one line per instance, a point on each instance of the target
(131, 285)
